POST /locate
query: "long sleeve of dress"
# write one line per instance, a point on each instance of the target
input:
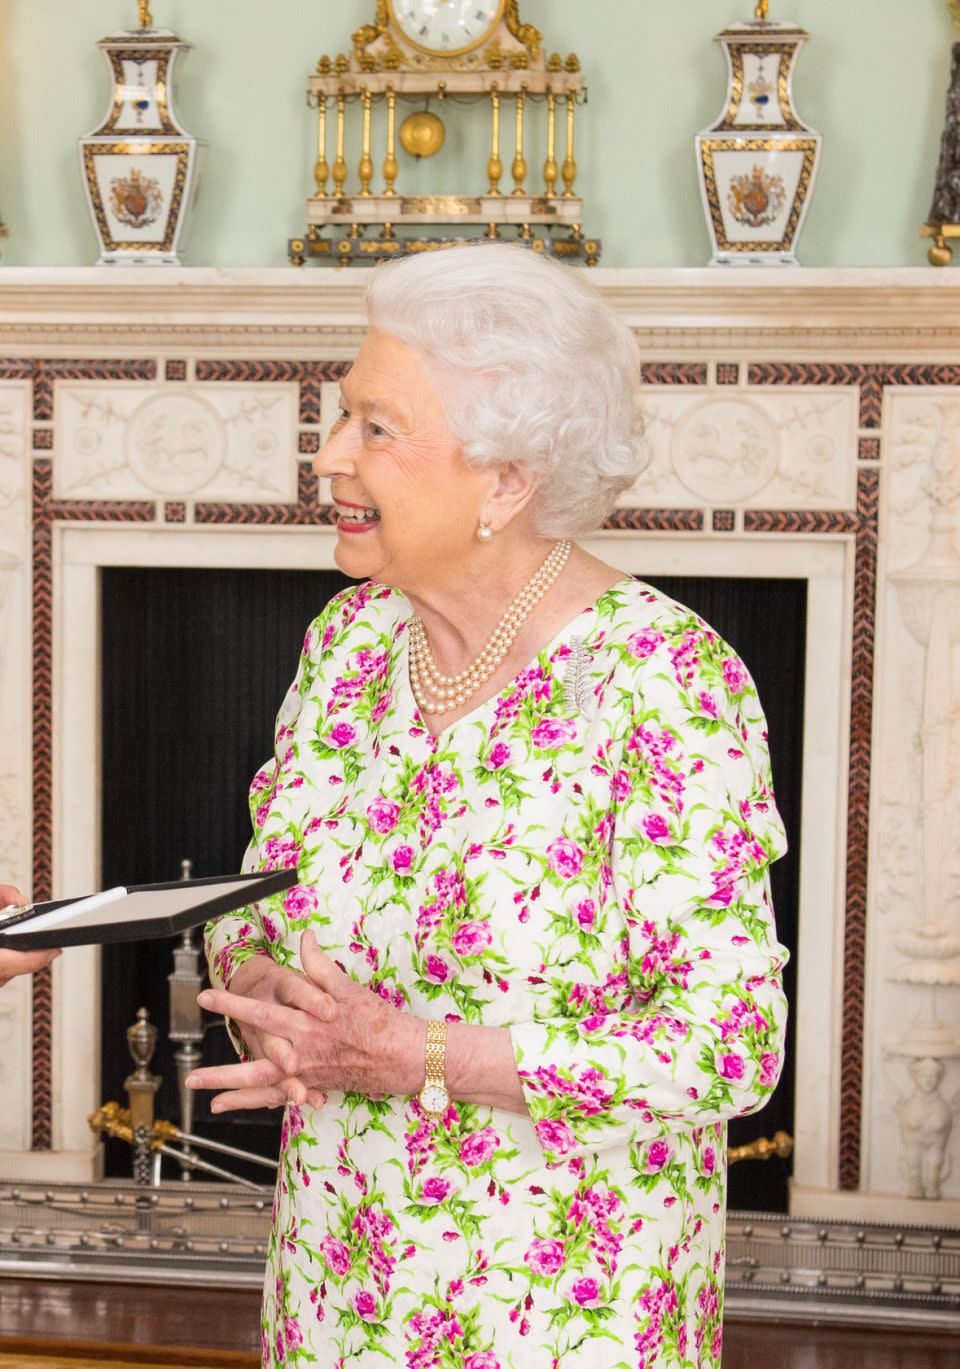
(231, 940)
(687, 1029)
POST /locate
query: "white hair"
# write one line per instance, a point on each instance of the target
(565, 370)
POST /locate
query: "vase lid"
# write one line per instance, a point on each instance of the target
(129, 38)
(775, 30)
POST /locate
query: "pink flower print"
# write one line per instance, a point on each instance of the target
(552, 733)
(263, 812)
(587, 914)
(546, 1257)
(622, 786)
(471, 938)
(336, 1256)
(342, 735)
(731, 1065)
(644, 644)
(300, 901)
(708, 704)
(262, 780)
(734, 675)
(436, 969)
(709, 1160)
(383, 815)
(292, 1334)
(381, 706)
(365, 1305)
(565, 857)
(292, 1125)
(401, 858)
(555, 1136)
(657, 829)
(658, 1153)
(769, 1069)
(498, 757)
(270, 930)
(585, 1293)
(435, 1190)
(479, 1147)
(484, 1359)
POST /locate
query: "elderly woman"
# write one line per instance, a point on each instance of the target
(529, 969)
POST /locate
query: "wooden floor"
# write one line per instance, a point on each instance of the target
(95, 1326)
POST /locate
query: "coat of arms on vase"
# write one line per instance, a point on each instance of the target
(758, 161)
(138, 164)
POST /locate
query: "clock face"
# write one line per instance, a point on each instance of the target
(446, 26)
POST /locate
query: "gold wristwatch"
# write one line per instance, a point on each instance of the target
(434, 1097)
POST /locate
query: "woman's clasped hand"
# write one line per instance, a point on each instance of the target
(307, 1034)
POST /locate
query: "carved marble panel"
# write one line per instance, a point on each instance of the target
(915, 880)
(215, 441)
(789, 448)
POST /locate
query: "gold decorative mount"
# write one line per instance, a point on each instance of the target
(764, 1148)
(355, 246)
(941, 253)
(146, 18)
(761, 10)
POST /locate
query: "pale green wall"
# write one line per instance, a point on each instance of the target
(872, 80)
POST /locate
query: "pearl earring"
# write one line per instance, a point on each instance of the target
(484, 532)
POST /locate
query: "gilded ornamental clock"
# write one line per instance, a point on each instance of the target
(418, 64)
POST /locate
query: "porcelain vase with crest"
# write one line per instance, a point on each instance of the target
(138, 165)
(758, 161)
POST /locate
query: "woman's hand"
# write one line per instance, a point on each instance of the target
(13, 963)
(316, 1032)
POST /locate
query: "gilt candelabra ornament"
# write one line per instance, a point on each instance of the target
(138, 164)
(943, 221)
(444, 63)
(758, 161)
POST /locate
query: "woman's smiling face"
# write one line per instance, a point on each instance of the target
(408, 504)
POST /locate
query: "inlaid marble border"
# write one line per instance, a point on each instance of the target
(870, 378)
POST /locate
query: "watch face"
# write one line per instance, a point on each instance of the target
(434, 1098)
(446, 25)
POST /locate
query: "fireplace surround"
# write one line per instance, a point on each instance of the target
(803, 425)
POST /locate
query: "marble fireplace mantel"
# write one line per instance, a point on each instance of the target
(833, 400)
(915, 310)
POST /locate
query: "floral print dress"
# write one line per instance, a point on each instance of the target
(583, 860)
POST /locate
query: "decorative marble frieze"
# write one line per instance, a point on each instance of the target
(130, 441)
(754, 448)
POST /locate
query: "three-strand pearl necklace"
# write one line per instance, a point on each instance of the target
(439, 693)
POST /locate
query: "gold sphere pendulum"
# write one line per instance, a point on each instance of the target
(422, 134)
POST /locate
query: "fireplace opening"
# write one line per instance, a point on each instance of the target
(194, 664)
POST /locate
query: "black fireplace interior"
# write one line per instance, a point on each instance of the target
(194, 665)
